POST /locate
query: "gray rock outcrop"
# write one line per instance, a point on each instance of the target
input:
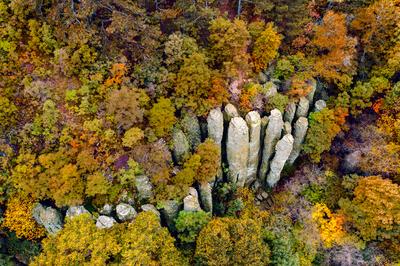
(49, 217)
(75, 211)
(191, 127)
(230, 112)
(150, 208)
(287, 128)
(319, 105)
(310, 95)
(191, 201)
(237, 148)
(253, 120)
(206, 196)
(104, 222)
(144, 187)
(282, 151)
(125, 212)
(181, 146)
(290, 112)
(300, 131)
(302, 107)
(272, 135)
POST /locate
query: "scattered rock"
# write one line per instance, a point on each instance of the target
(319, 105)
(282, 151)
(49, 217)
(125, 212)
(300, 131)
(253, 120)
(264, 194)
(144, 187)
(181, 148)
(237, 148)
(302, 108)
(272, 135)
(104, 222)
(191, 201)
(75, 211)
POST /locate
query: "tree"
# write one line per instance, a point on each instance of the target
(374, 210)
(80, 242)
(18, 218)
(189, 225)
(162, 117)
(228, 241)
(324, 126)
(229, 44)
(193, 84)
(335, 61)
(145, 242)
(132, 136)
(266, 47)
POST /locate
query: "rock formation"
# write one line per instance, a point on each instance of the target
(272, 135)
(237, 148)
(282, 151)
(144, 187)
(104, 222)
(215, 125)
(206, 196)
(75, 211)
(181, 147)
(125, 212)
(290, 112)
(230, 112)
(191, 201)
(253, 120)
(300, 131)
(302, 107)
(49, 217)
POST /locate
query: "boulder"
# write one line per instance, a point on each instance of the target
(300, 131)
(191, 128)
(319, 105)
(49, 217)
(272, 135)
(75, 211)
(106, 209)
(169, 212)
(287, 128)
(191, 201)
(181, 148)
(290, 112)
(282, 151)
(125, 212)
(237, 148)
(206, 196)
(302, 107)
(144, 187)
(253, 120)
(150, 208)
(230, 112)
(104, 222)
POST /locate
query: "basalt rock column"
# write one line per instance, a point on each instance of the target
(282, 151)
(300, 131)
(237, 148)
(253, 120)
